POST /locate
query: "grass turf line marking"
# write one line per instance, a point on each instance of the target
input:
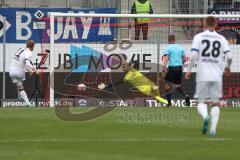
(118, 140)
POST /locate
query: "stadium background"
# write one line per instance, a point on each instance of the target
(184, 32)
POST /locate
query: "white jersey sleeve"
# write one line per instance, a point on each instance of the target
(195, 46)
(227, 50)
(194, 53)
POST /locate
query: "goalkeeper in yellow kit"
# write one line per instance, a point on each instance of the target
(137, 79)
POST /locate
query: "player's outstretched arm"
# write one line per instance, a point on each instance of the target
(30, 68)
(103, 86)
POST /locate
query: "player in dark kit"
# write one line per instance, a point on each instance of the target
(174, 57)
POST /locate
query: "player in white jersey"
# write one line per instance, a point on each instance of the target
(21, 63)
(211, 51)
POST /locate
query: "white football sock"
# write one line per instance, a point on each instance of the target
(202, 110)
(215, 114)
(24, 97)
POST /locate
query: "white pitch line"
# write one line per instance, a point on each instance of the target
(119, 140)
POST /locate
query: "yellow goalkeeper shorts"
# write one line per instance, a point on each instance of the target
(138, 80)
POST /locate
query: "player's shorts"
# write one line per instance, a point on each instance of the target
(145, 89)
(208, 90)
(174, 75)
(16, 76)
(141, 82)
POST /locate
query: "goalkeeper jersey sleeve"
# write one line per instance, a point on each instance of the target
(118, 82)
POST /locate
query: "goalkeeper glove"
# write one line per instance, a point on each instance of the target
(101, 86)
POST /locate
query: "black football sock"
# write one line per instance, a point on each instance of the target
(169, 98)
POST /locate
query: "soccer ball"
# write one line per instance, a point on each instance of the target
(81, 87)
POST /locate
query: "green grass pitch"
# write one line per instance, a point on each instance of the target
(123, 134)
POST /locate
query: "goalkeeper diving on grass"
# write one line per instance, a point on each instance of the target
(136, 79)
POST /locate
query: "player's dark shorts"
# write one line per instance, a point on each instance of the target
(174, 75)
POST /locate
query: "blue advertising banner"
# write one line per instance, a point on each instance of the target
(33, 23)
